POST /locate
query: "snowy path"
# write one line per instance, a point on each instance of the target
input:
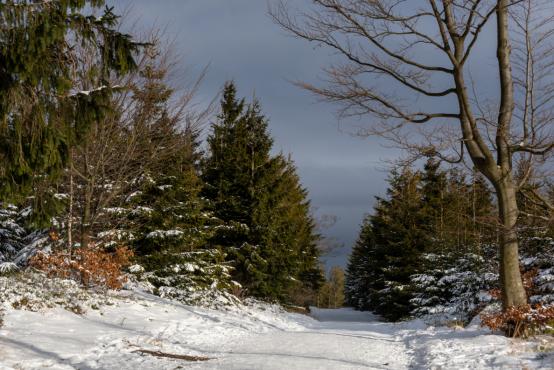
(248, 338)
(351, 343)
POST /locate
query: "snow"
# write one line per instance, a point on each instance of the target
(100, 88)
(249, 336)
(115, 210)
(7, 267)
(162, 234)
(135, 269)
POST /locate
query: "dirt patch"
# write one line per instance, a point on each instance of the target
(297, 309)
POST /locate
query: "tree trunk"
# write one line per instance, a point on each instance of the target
(85, 218)
(513, 292)
(70, 215)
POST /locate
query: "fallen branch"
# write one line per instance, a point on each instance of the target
(169, 355)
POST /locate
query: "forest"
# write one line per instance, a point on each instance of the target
(105, 169)
(116, 182)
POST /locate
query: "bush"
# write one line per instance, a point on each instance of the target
(521, 321)
(90, 266)
(8, 268)
(32, 290)
(452, 288)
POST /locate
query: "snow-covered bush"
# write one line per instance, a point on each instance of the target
(17, 244)
(457, 288)
(11, 232)
(209, 298)
(34, 291)
(7, 268)
(197, 278)
(454, 289)
(540, 258)
(34, 242)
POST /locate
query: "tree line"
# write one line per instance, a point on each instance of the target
(430, 247)
(102, 147)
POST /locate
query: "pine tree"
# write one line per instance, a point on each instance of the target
(434, 206)
(453, 269)
(400, 239)
(389, 250)
(41, 111)
(238, 155)
(172, 228)
(269, 233)
(361, 271)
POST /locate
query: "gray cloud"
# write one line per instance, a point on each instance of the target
(240, 42)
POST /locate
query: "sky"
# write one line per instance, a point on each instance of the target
(240, 42)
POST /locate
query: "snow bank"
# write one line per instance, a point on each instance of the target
(252, 335)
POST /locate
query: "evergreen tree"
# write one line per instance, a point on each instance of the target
(11, 232)
(389, 249)
(41, 111)
(160, 213)
(400, 239)
(285, 229)
(361, 271)
(269, 233)
(171, 229)
(429, 222)
(434, 205)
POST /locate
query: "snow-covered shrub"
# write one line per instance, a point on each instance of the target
(34, 291)
(7, 268)
(136, 269)
(457, 288)
(17, 244)
(11, 232)
(209, 298)
(454, 289)
(538, 256)
(201, 277)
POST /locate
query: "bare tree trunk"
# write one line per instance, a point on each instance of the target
(70, 215)
(513, 292)
(85, 219)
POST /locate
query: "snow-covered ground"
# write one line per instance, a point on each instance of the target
(250, 337)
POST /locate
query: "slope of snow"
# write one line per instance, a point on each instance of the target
(248, 337)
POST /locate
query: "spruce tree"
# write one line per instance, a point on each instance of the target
(286, 230)
(361, 272)
(423, 238)
(171, 229)
(394, 239)
(41, 110)
(269, 233)
(11, 232)
(238, 156)
(400, 239)
(434, 204)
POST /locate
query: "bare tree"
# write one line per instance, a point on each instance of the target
(148, 122)
(407, 65)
